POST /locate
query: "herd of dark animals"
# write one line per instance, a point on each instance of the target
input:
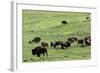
(42, 50)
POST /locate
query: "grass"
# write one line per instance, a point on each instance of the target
(47, 25)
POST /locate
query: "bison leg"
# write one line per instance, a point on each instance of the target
(46, 53)
(43, 55)
(38, 55)
(54, 46)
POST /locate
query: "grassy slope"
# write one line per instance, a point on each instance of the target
(48, 26)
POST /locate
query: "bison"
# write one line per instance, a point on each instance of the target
(57, 43)
(36, 39)
(44, 44)
(60, 44)
(87, 17)
(29, 42)
(87, 41)
(64, 22)
(81, 42)
(72, 39)
(39, 50)
(65, 45)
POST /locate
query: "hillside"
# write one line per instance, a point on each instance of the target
(48, 26)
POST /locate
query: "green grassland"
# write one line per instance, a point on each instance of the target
(47, 25)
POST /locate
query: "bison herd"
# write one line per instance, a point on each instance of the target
(42, 49)
(66, 44)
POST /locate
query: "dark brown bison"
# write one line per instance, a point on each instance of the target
(36, 39)
(87, 41)
(65, 45)
(44, 44)
(29, 42)
(56, 44)
(81, 42)
(64, 22)
(87, 17)
(60, 44)
(72, 39)
(39, 50)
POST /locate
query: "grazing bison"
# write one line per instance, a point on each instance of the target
(72, 39)
(29, 42)
(39, 50)
(44, 44)
(36, 39)
(87, 17)
(87, 41)
(68, 43)
(65, 44)
(81, 41)
(64, 22)
(61, 44)
(57, 43)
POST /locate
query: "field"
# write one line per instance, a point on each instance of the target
(48, 26)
